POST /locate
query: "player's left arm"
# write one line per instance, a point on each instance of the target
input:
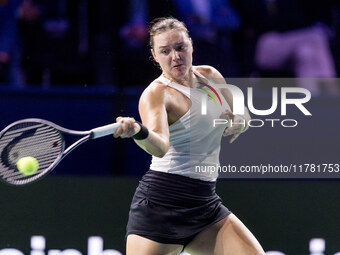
(240, 123)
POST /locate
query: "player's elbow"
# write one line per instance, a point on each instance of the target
(159, 155)
(162, 151)
(163, 148)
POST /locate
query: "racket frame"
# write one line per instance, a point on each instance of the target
(87, 135)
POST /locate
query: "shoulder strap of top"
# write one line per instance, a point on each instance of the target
(185, 90)
(198, 74)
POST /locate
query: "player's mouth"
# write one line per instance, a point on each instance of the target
(177, 66)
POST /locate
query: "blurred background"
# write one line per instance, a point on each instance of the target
(86, 43)
(82, 63)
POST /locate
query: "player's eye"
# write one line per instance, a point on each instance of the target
(180, 47)
(165, 51)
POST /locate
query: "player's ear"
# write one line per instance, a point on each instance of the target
(192, 44)
(154, 55)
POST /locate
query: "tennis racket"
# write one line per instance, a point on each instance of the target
(43, 140)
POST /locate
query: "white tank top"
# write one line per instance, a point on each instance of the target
(194, 141)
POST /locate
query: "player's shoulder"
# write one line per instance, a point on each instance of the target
(155, 89)
(208, 71)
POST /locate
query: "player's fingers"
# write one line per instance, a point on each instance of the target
(232, 130)
(228, 131)
(118, 130)
(122, 129)
(236, 129)
(228, 115)
(234, 137)
(118, 119)
(126, 129)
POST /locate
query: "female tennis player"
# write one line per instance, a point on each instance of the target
(175, 208)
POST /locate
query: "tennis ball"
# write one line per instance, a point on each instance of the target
(28, 165)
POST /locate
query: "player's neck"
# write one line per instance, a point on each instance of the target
(188, 81)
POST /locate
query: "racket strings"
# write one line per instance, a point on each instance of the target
(37, 140)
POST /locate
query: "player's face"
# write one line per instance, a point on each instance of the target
(173, 52)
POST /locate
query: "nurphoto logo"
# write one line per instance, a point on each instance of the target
(302, 96)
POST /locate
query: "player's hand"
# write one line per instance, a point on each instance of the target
(239, 125)
(128, 128)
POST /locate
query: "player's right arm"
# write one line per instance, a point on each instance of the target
(153, 113)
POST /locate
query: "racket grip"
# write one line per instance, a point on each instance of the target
(104, 130)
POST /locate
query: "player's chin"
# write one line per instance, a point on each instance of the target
(179, 72)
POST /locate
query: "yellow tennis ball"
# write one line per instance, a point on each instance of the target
(28, 165)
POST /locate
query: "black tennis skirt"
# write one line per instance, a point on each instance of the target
(173, 209)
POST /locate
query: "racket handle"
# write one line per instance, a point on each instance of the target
(104, 130)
